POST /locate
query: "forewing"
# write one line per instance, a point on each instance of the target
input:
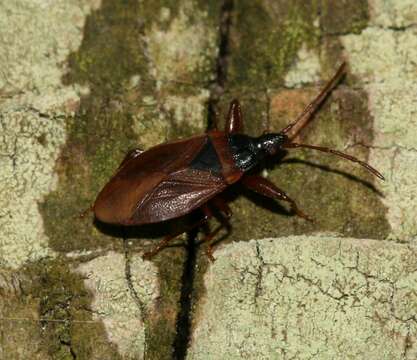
(178, 194)
(137, 179)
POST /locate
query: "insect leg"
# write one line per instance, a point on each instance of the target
(264, 187)
(150, 254)
(220, 204)
(164, 243)
(234, 122)
(225, 213)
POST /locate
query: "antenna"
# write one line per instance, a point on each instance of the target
(337, 153)
(303, 119)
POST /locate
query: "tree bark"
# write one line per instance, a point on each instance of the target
(83, 82)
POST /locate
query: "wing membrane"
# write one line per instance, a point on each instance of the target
(178, 194)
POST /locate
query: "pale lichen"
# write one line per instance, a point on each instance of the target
(29, 147)
(115, 305)
(180, 52)
(183, 48)
(303, 297)
(393, 13)
(35, 41)
(154, 123)
(306, 69)
(382, 59)
(188, 110)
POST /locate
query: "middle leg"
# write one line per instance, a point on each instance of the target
(164, 243)
(224, 213)
(264, 187)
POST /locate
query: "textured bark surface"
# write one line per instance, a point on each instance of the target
(84, 81)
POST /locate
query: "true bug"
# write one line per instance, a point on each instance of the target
(173, 179)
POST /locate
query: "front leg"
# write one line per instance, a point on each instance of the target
(264, 187)
(234, 122)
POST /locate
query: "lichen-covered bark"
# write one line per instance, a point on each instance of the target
(325, 297)
(138, 61)
(303, 297)
(328, 187)
(82, 82)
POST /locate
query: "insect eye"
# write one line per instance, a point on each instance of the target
(283, 139)
(271, 145)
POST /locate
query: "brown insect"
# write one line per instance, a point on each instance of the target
(175, 178)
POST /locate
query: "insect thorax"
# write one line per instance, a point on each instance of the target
(245, 151)
(248, 151)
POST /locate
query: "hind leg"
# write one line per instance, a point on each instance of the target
(164, 243)
(224, 214)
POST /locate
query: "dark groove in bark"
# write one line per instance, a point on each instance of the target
(139, 303)
(184, 319)
(69, 346)
(217, 88)
(183, 334)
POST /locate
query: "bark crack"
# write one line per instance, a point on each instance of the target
(218, 86)
(139, 303)
(69, 346)
(259, 272)
(184, 318)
